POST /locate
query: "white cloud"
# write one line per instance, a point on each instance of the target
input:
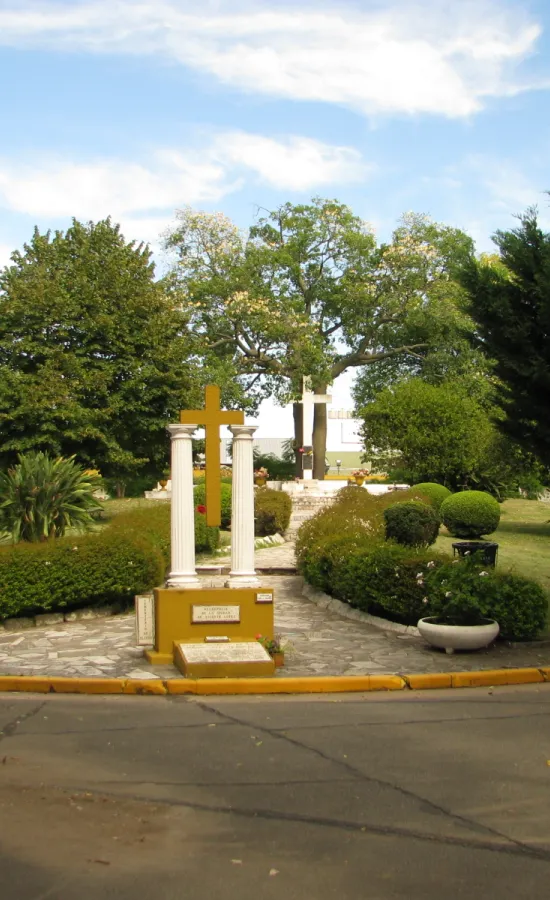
(410, 56)
(296, 163)
(143, 197)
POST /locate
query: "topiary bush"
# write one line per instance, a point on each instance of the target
(272, 511)
(414, 524)
(73, 572)
(518, 604)
(199, 492)
(470, 514)
(433, 493)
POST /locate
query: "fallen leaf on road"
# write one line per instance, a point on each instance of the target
(103, 862)
(273, 872)
(237, 862)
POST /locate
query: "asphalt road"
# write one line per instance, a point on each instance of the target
(417, 796)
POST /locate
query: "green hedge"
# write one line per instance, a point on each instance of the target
(470, 514)
(272, 511)
(71, 572)
(342, 551)
(129, 556)
(386, 579)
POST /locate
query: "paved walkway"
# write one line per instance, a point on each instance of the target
(317, 642)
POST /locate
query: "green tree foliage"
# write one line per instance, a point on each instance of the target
(41, 497)
(94, 358)
(308, 292)
(437, 433)
(510, 303)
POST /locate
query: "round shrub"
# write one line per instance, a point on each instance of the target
(200, 500)
(470, 514)
(434, 493)
(414, 524)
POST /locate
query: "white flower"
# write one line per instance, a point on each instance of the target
(431, 564)
(424, 599)
(420, 574)
(47, 563)
(467, 553)
(420, 581)
(75, 548)
(483, 573)
(449, 594)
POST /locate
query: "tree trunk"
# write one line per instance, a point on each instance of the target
(319, 435)
(298, 438)
(120, 489)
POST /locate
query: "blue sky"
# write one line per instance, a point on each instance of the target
(135, 108)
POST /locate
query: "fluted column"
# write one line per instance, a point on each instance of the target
(182, 522)
(242, 572)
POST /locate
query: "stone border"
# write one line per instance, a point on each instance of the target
(45, 620)
(325, 601)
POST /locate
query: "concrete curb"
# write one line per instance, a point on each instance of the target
(325, 601)
(253, 686)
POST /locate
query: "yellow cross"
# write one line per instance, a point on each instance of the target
(211, 417)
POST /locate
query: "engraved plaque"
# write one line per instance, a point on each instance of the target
(145, 620)
(264, 597)
(221, 614)
(241, 652)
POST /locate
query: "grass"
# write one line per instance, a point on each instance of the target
(523, 539)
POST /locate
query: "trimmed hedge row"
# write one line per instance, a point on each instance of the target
(129, 556)
(71, 572)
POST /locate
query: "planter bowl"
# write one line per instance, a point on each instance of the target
(458, 637)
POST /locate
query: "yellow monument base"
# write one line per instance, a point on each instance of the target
(231, 659)
(210, 615)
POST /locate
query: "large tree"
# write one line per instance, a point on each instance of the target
(510, 303)
(308, 292)
(94, 357)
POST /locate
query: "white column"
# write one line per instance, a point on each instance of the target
(182, 522)
(242, 572)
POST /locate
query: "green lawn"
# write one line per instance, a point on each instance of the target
(523, 537)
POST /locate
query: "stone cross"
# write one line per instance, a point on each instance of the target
(211, 417)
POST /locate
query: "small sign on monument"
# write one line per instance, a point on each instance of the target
(145, 620)
(220, 614)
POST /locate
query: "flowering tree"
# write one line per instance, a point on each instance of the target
(308, 292)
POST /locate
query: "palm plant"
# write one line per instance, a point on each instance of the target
(41, 497)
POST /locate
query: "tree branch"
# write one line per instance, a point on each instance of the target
(360, 358)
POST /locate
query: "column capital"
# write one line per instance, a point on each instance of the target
(243, 431)
(181, 431)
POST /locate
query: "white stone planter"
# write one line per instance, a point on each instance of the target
(458, 637)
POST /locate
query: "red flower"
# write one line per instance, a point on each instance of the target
(201, 509)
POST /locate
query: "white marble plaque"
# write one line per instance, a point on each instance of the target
(145, 620)
(243, 651)
(264, 597)
(222, 614)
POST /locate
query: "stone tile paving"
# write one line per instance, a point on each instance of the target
(318, 642)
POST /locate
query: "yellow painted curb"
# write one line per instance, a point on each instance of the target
(304, 685)
(491, 677)
(429, 682)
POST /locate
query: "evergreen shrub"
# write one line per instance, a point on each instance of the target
(414, 524)
(470, 514)
(272, 511)
(433, 493)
